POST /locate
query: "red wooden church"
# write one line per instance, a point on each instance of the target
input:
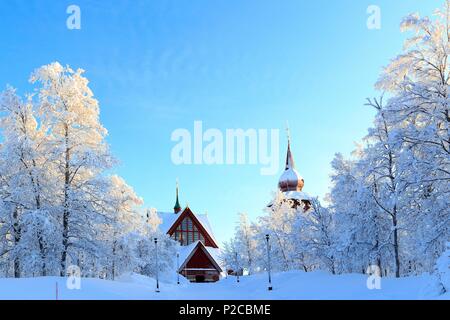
(199, 254)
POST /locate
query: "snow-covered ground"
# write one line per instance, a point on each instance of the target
(288, 285)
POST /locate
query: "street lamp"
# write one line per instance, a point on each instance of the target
(268, 260)
(157, 265)
(178, 268)
(237, 265)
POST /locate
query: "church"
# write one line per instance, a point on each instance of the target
(198, 259)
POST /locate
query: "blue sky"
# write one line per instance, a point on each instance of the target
(156, 66)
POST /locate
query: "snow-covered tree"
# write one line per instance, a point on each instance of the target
(57, 204)
(245, 243)
(233, 256)
(443, 270)
(146, 253)
(401, 176)
(321, 235)
(279, 222)
(384, 169)
(389, 202)
(418, 82)
(26, 182)
(153, 219)
(79, 153)
(348, 201)
(299, 239)
(125, 224)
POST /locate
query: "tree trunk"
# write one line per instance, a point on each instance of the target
(114, 260)
(333, 267)
(286, 262)
(17, 234)
(66, 212)
(43, 256)
(380, 266)
(37, 189)
(396, 244)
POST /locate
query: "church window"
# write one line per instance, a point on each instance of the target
(187, 232)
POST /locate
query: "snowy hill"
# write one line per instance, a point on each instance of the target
(288, 285)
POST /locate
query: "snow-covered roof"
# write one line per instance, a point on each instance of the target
(294, 195)
(290, 175)
(169, 218)
(203, 218)
(185, 251)
(216, 254)
(298, 195)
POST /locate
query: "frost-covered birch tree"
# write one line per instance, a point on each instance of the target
(418, 84)
(79, 152)
(27, 222)
(58, 205)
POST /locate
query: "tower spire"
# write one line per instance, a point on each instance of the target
(290, 164)
(177, 207)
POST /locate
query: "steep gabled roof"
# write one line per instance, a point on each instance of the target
(170, 221)
(187, 252)
(203, 218)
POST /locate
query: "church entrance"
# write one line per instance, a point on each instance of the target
(199, 278)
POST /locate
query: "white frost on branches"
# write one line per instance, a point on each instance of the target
(57, 204)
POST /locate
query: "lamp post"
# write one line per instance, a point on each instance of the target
(157, 265)
(237, 265)
(178, 268)
(268, 261)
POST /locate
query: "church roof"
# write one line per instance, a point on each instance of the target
(186, 252)
(290, 176)
(290, 163)
(169, 218)
(290, 180)
(203, 218)
(297, 195)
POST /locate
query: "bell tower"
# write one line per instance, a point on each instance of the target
(291, 183)
(290, 180)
